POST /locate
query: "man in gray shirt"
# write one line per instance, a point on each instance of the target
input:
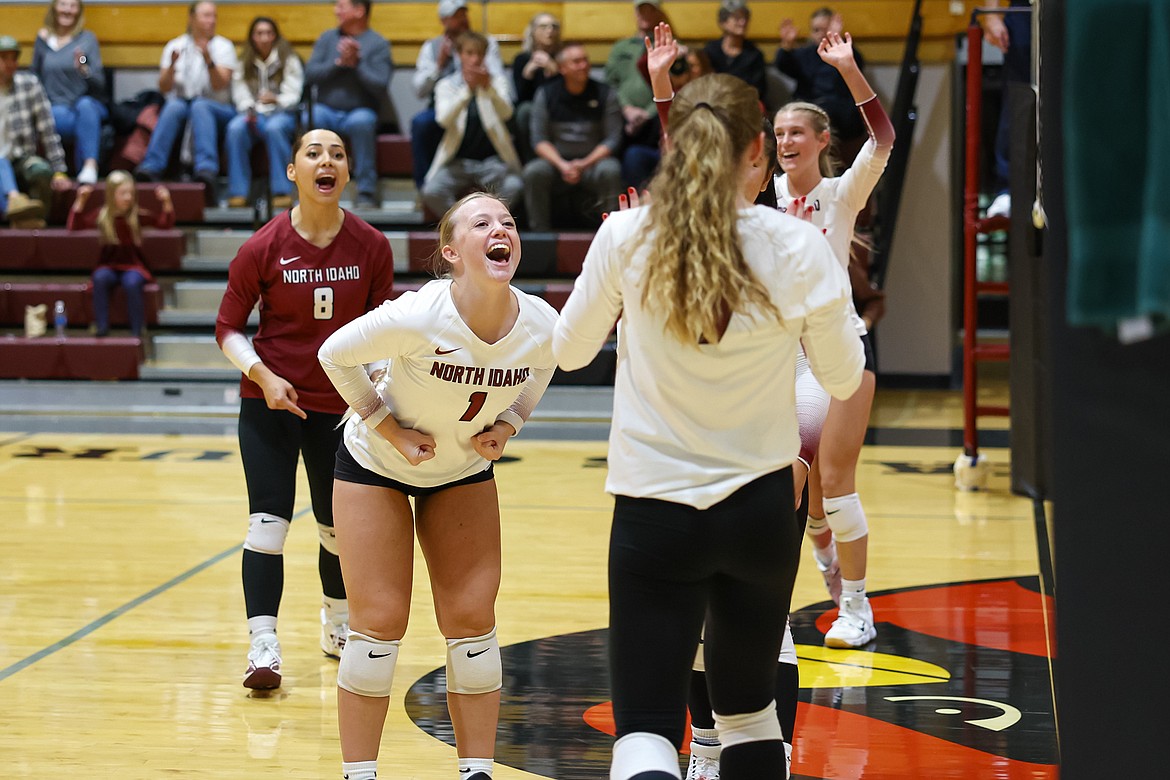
(576, 131)
(350, 72)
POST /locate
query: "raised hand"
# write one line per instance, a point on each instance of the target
(837, 51)
(661, 52)
(83, 193)
(788, 34)
(162, 194)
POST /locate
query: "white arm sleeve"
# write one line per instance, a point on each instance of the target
(517, 414)
(345, 355)
(238, 349)
(595, 303)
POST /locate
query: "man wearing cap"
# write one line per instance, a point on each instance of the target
(26, 122)
(350, 69)
(437, 59)
(621, 68)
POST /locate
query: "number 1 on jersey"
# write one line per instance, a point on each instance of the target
(474, 404)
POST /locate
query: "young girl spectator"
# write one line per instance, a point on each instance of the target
(267, 91)
(708, 286)
(470, 356)
(312, 268)
(120, 223)
(808, 189)
(67, 60)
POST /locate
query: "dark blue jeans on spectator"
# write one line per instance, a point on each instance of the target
(208, 118)
(7, 183)
(425, 137)
(275, 130)
(105, 279)
(82, 124)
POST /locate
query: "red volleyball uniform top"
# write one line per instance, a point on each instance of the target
(305, 293)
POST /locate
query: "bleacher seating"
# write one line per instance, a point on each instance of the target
(57, 249)
(186, 197)
(80, 357)
(78, 300)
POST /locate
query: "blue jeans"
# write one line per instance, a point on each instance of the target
(82, 124)
(359, 126)
(208, 118)
(425, 136)
(7, 183)
(105, 279)
(276, 130)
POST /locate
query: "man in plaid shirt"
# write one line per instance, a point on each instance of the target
(26, 127)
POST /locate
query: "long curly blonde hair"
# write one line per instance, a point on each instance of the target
(697, 275)
(106, 216)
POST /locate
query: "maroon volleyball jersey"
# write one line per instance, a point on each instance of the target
(305, 293)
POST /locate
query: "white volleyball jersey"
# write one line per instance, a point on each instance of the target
(693, 423)
(442, 379)
(837, 201)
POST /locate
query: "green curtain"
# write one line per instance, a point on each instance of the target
(1116, 107)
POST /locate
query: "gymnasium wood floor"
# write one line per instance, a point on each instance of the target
(122, 640)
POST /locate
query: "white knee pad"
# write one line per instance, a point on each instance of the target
(473, 664)
(846, 517)
(812, 407)
(266, 534)
(328, 538)
(641, 752)
(816, 526)
(788, 647)
(700, 665)
(367, 665)
(749, 727)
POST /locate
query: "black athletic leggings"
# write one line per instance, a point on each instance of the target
(271, 443)
(671, 567)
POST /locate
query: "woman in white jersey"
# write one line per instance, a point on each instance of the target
(807, 188)
(470, 356)
(714, 295)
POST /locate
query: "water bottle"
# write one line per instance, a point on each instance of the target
(59, 318)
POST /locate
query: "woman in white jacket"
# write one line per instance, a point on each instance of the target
(266, 90)
(477, 152)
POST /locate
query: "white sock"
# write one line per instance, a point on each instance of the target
(469, 766)
(705, 742)
(261, 624)
(359, 770)
(853, 588)
(336, 610)
(825, 555)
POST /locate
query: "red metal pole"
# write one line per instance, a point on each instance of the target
(970, 218)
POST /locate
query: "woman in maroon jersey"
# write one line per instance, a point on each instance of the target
(312, 269)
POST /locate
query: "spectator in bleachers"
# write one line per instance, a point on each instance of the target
(195, 73)
(266, 90)
(576, 131)
(640, 157)
(350, 70)
(622, 74)
(26, 126)
(535, 64)
(120, 223)
(820, 83)
(67, 60)
(477, 152)
(734, 54)
(437, 59)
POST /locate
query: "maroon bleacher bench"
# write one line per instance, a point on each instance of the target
(394, 158)
(57, 249)
(78, 299)
(187, 198)
(70, 358)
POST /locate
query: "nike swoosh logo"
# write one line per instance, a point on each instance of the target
(284, 261)
(446, 351)
(481, 652)
(372, 654)
(835, 511)
(267, 520)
